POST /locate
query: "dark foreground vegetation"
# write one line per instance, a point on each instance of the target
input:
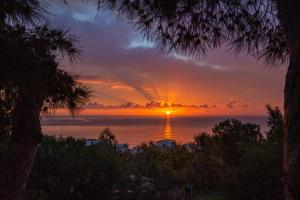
(235, 161)
(32, 81)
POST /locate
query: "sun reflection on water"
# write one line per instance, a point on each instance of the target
(168, 129)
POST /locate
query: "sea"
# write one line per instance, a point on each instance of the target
(137, 130)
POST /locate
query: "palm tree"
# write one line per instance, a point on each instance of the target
(31, 83)
(267, 29)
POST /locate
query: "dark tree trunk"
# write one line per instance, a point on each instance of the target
(26, 135)
(292, 130)
(289, 15)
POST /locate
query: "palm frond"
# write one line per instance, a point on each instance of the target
(67, 92)
(59, 41)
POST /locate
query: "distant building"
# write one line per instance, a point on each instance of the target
(89, 142)
(167, 143)
(133, 150)
(122, 148)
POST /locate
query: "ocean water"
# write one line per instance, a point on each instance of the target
(135, 130)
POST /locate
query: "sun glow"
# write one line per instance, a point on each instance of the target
(168, 113)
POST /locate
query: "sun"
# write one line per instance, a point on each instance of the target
(168, 112)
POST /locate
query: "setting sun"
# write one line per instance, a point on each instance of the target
(168, 112)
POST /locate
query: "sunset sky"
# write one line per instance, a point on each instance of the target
(129, 76)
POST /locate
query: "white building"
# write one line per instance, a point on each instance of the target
(122, 148)
(89, 142)
(167, 143)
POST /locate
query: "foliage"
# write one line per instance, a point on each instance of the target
(232, 135)
(66, 168)
(29, 56)
(108, 138)
(31, 82)
(194, 27)
(275, 123)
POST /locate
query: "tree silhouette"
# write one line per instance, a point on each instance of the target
(196, 26)
(275, 123)
(108, 138)
(31, 82)
(266, 29)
